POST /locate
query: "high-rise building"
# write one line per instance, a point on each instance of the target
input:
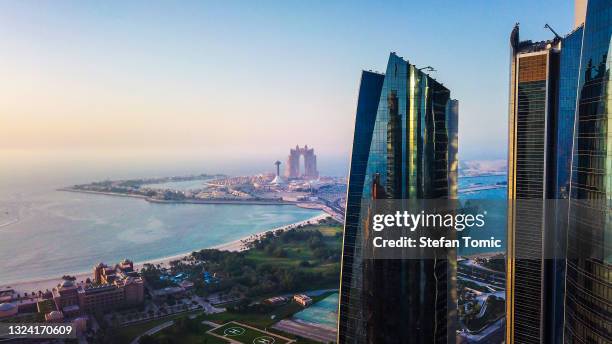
(588, 297)
(541, 119)
(310, 163)
(404, 147)
(532, 123)
(559, 282)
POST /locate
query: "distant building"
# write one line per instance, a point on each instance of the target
(277, 300)
(310, 163)
(302, 299)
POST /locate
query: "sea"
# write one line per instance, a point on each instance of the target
(493, 202)
(46, 233)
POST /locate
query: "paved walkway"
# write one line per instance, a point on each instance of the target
(154, 330)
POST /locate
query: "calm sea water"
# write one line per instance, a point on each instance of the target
(58, 232)
(496, 211)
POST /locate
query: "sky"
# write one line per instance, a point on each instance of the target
(233, 81)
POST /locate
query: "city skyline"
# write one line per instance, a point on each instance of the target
(146, 82)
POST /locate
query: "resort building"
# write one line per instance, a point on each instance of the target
(404, 147)
(66, 294)
(303, 300)
(101, 298)
(111, 288)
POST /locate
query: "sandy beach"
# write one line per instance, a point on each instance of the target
(237, 245)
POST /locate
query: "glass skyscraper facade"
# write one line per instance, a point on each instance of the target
(532, 161)
(588, 297)
(543, 105)
(560, 147)
(405, 147)
(569, 64)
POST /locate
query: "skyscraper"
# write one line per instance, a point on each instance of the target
(310, 163)
(533, 117)
(404, 147)
(559, 277)
(588, 298)
(541, 115)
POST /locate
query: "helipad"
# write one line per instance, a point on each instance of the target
(263, 340)
(235, 332)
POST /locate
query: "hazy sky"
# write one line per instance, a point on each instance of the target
(238, 78)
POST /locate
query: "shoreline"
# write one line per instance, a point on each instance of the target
(35, 284)
(188, 201)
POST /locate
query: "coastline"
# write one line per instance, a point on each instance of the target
(187, 201)
(36, 284)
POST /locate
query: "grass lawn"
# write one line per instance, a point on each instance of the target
(247, 335)
(128, 333)
(329, 231)
(262, 320)
(298, 252)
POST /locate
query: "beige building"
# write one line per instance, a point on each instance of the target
(302, 299)
(111, 288)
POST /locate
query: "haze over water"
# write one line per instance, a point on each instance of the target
(45, 233)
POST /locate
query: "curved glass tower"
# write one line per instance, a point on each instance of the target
(588, 298)
(404, 147)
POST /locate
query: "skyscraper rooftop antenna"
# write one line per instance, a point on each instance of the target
(428, 68)
(552, 30)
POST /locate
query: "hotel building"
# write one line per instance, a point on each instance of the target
(404, 147)
(111, 288)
